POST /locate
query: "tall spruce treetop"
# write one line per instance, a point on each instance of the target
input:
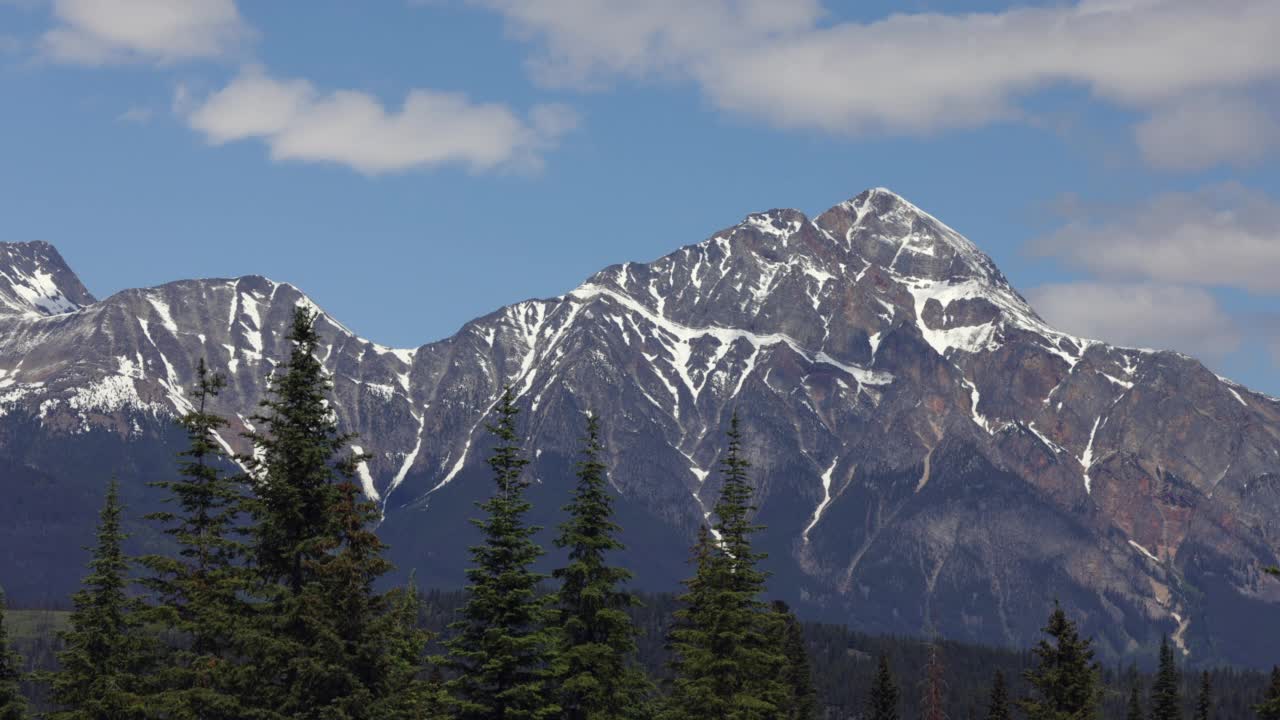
(294, 468)
(797, 675)
(323, 640)
(13, 706)
(733, 511)
(998, 706)
(105, 655)
(597, 678)
(1204, 701)
(693, 643)
(1166, 696)
(502, 646)
(882, 701)
(199, 592)
(728, 660)
(1065, 680)
(1134, 709)
(934, 689)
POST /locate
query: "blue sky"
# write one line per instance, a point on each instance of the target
(412, 165)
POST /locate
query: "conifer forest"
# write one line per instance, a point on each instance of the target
(269, 602)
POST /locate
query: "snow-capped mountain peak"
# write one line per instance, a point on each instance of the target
(35, 281)
(927, 451)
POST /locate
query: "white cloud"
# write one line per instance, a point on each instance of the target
(1201, 131)
(907, 73)
(1162, 317)
(136, 115)
(98, 32)
(1225, 236)
(347, 127)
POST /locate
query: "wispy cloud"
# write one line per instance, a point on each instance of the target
(300, 123)
(1162, 317)
(136, 115)
(1222, 236)
(1156, 270)
(913, 73)
(1201, 131)
(100, 32)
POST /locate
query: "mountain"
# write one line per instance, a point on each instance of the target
(930, 455)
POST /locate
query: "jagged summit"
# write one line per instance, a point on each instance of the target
(928, 453)
(35, 281)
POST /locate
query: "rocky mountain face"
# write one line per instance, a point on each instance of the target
(930, 456)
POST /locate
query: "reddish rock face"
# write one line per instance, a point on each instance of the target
(929, 454)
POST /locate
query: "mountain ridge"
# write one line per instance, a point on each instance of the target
(930, 454)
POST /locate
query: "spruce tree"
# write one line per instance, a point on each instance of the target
(693, 644)
(1204, 702)
(13, 705)
(502, 647)
(199, 593)
(404, 692)
(322, 642)
(882, 701)
(1166, 698)
(797, 675)
(597, 678)
(1065, 680)
(998, 706)
(1134, 711)
(933, 695)
(735, 671)
(105, 655)
(1269, 708)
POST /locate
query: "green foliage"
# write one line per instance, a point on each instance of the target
(998, 706)
(502, 647)
(404, 692)
(13, 705)
(1166, 700)
(727, 662)
(1269, 708)
(106, 655)
(1065, 683)
(882, 701)
(596, 676)
(323, 644)
(198, 594)
(797, 674)
(1204, 701)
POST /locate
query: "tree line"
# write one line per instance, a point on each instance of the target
(270, 607)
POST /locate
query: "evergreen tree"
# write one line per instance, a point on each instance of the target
(1134, 711)
(404, 692)
(13, 706)
(728, 664)
(199, 592)
(371, 652)
(998, 707)
(596, 676)
(1269, 708)
(797, 675)
(502, 647)
(882, 702)
(105, 654)
(693, 647)
(933, 697)
(324, 640)
(1065, 680)
(1166, 698)
(1204, 702)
